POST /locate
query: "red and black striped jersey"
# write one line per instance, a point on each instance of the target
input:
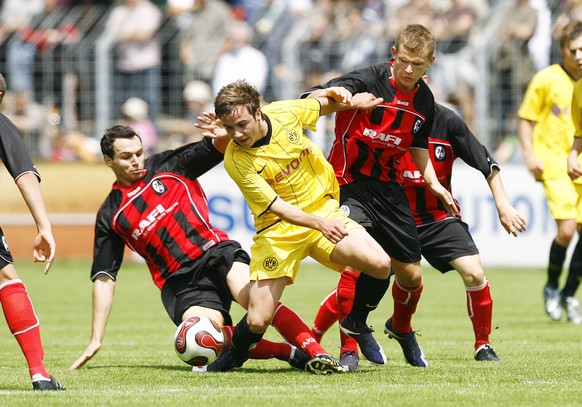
(164, 217)
(450, 138)
(369, 144)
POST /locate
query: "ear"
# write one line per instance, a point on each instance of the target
(108, 161)
(431, 60)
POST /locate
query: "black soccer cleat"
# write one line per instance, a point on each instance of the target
(298, 359)
(412, 352)
(486, 353)
(42, 383)
(323, 364)
(370, 348)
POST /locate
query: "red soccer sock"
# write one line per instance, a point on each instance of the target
(265, 349)
(293, 329)
(405, 302)
(345, 300)
(326, 316)
(23, 324)
(480, 309)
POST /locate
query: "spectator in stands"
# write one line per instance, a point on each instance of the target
(201, 41)
(198, 99)
(359, 42)
(135, 115)
(240, 60)
(454, 72)
(510, 64)
(134, 23)
(15, 20)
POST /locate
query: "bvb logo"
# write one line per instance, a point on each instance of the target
(293, 137)
(270, 263)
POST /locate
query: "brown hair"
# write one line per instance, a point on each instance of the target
(570, 32)
(236, 94)
(416, 37)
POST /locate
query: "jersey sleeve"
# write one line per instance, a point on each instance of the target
(531, 106)
(191, 160)
(357, 81)
(577, 108)
(467, 147)
(13, 152)
(108, 246)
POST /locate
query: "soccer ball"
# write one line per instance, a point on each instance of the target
(198, 341)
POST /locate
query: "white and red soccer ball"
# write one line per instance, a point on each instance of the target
(198, 341)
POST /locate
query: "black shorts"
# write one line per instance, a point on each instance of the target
(382, 208)
(204, 282)
(445, 241)
(5, 255)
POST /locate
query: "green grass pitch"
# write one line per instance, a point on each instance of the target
(541, 360)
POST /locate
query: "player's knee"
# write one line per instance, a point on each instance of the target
(258, 323)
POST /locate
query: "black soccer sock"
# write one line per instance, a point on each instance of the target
(369, 292)
(243, 338)
(556, 263)
(575, 273)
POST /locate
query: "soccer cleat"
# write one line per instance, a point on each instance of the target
(349, 361)
(486, 353)
(298, 359)
(552, 303)
(228, 360)
(412, 352)
(39, 382)
(572, 308)
(370, 348)
(323, 364)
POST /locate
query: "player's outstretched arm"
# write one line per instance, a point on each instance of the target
(103, 292)
(44, 243)
(338, 98)
(510, 218)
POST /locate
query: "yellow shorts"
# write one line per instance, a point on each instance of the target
(564, 199)
(278, 250)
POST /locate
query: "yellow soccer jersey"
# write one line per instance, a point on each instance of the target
(288, 164)
(547, 102)
(577, 108)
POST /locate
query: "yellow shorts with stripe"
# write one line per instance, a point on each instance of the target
(564, 198)
(278, 250)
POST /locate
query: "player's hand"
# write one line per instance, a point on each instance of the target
(512, 221)
(447, 199)
(534, 166)
(340, 94)
(574, 167)
(212, 128)
(44, 249)
(334, 230)
(91, 351)
(365, 101)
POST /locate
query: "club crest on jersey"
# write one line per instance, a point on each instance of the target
(439, 153)
(417, 125)
(270, 263)
(158, 186)
(293, 137)
(345, 210)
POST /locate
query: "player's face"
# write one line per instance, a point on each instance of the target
(575, 54)
(409, 66)
(243, 127)
(128, 160)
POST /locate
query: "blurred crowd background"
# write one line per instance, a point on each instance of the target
(76, 67)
